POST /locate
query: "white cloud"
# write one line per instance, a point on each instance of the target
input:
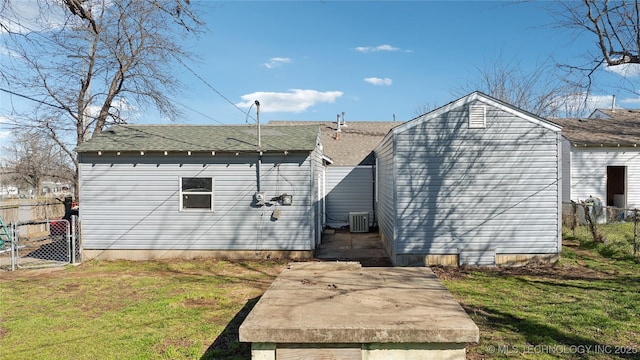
(4, 134)
(123, 108)
(385, 47)
(294, 101)
(379, 81)
(576, 106)
(625, 70)
(277, 61)
(598, 102)
(9, 53)
(633, 101)
(26, 16)
(3, 119)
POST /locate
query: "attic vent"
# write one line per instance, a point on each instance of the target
(477, 117)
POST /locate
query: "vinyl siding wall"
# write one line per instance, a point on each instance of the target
(489, 189)
(132, 202)
(385, 193)
(566, 170)
(349, 189)
(589, 173)
(317, 195)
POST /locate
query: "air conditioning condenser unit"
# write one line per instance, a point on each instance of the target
(358, 222)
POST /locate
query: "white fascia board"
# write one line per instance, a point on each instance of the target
(476, 96)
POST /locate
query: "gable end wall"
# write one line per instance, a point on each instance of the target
(492, 189)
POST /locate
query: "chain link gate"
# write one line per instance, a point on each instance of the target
(39, 244)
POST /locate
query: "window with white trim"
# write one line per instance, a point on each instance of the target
(477, 117)
(196, 193)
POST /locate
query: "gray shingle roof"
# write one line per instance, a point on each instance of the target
(619, 114)
(355, 143)
(201, 138)
(623, 129)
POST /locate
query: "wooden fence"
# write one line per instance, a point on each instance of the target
(31, 211)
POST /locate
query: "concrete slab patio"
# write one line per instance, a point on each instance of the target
(345, 311)
(342, 245)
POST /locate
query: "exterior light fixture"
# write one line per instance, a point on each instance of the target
(286, 199)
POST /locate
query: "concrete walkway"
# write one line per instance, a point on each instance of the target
(341, 245)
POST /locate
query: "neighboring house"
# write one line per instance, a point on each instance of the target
(164, 191)
(601, 157)
(349, 178)
(475, 182)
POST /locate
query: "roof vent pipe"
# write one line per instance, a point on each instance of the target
(338, 123)
(344, 123)
(613, 103)
(258, 121)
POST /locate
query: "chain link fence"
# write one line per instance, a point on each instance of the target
(616, 229)
(38, 244)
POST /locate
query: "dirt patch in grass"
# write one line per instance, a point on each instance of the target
(161, 268)
(201, 302)
(168, 346)
(3, 331)
(559, 271)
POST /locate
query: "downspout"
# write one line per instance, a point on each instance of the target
(259, 145)
(560, 183)
(374, 169)
(258, 168)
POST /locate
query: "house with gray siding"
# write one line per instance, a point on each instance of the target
(166, 191)
(601, 158)
(475, 182)
(349, 179)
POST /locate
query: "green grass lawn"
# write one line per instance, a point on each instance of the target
(618, 244)
(130, 310)
(585, 307)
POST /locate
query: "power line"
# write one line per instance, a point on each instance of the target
(32, 99)
(247, 114)
(209, 85)
(196, 111)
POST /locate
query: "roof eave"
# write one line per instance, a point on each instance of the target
(581, 144)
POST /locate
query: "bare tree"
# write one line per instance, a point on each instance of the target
(539, 91)
(424, 108)
(33, 158)
(91, 63)
(615, 27)
(615, 24)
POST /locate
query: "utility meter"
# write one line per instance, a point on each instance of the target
(259, 198)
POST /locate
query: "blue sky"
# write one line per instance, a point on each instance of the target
(310, 60)
(373, 60)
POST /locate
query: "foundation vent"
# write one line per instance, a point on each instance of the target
(358, 222)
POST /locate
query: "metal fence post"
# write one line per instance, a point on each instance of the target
(13, 247)
(73, 238)
(635, 232)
